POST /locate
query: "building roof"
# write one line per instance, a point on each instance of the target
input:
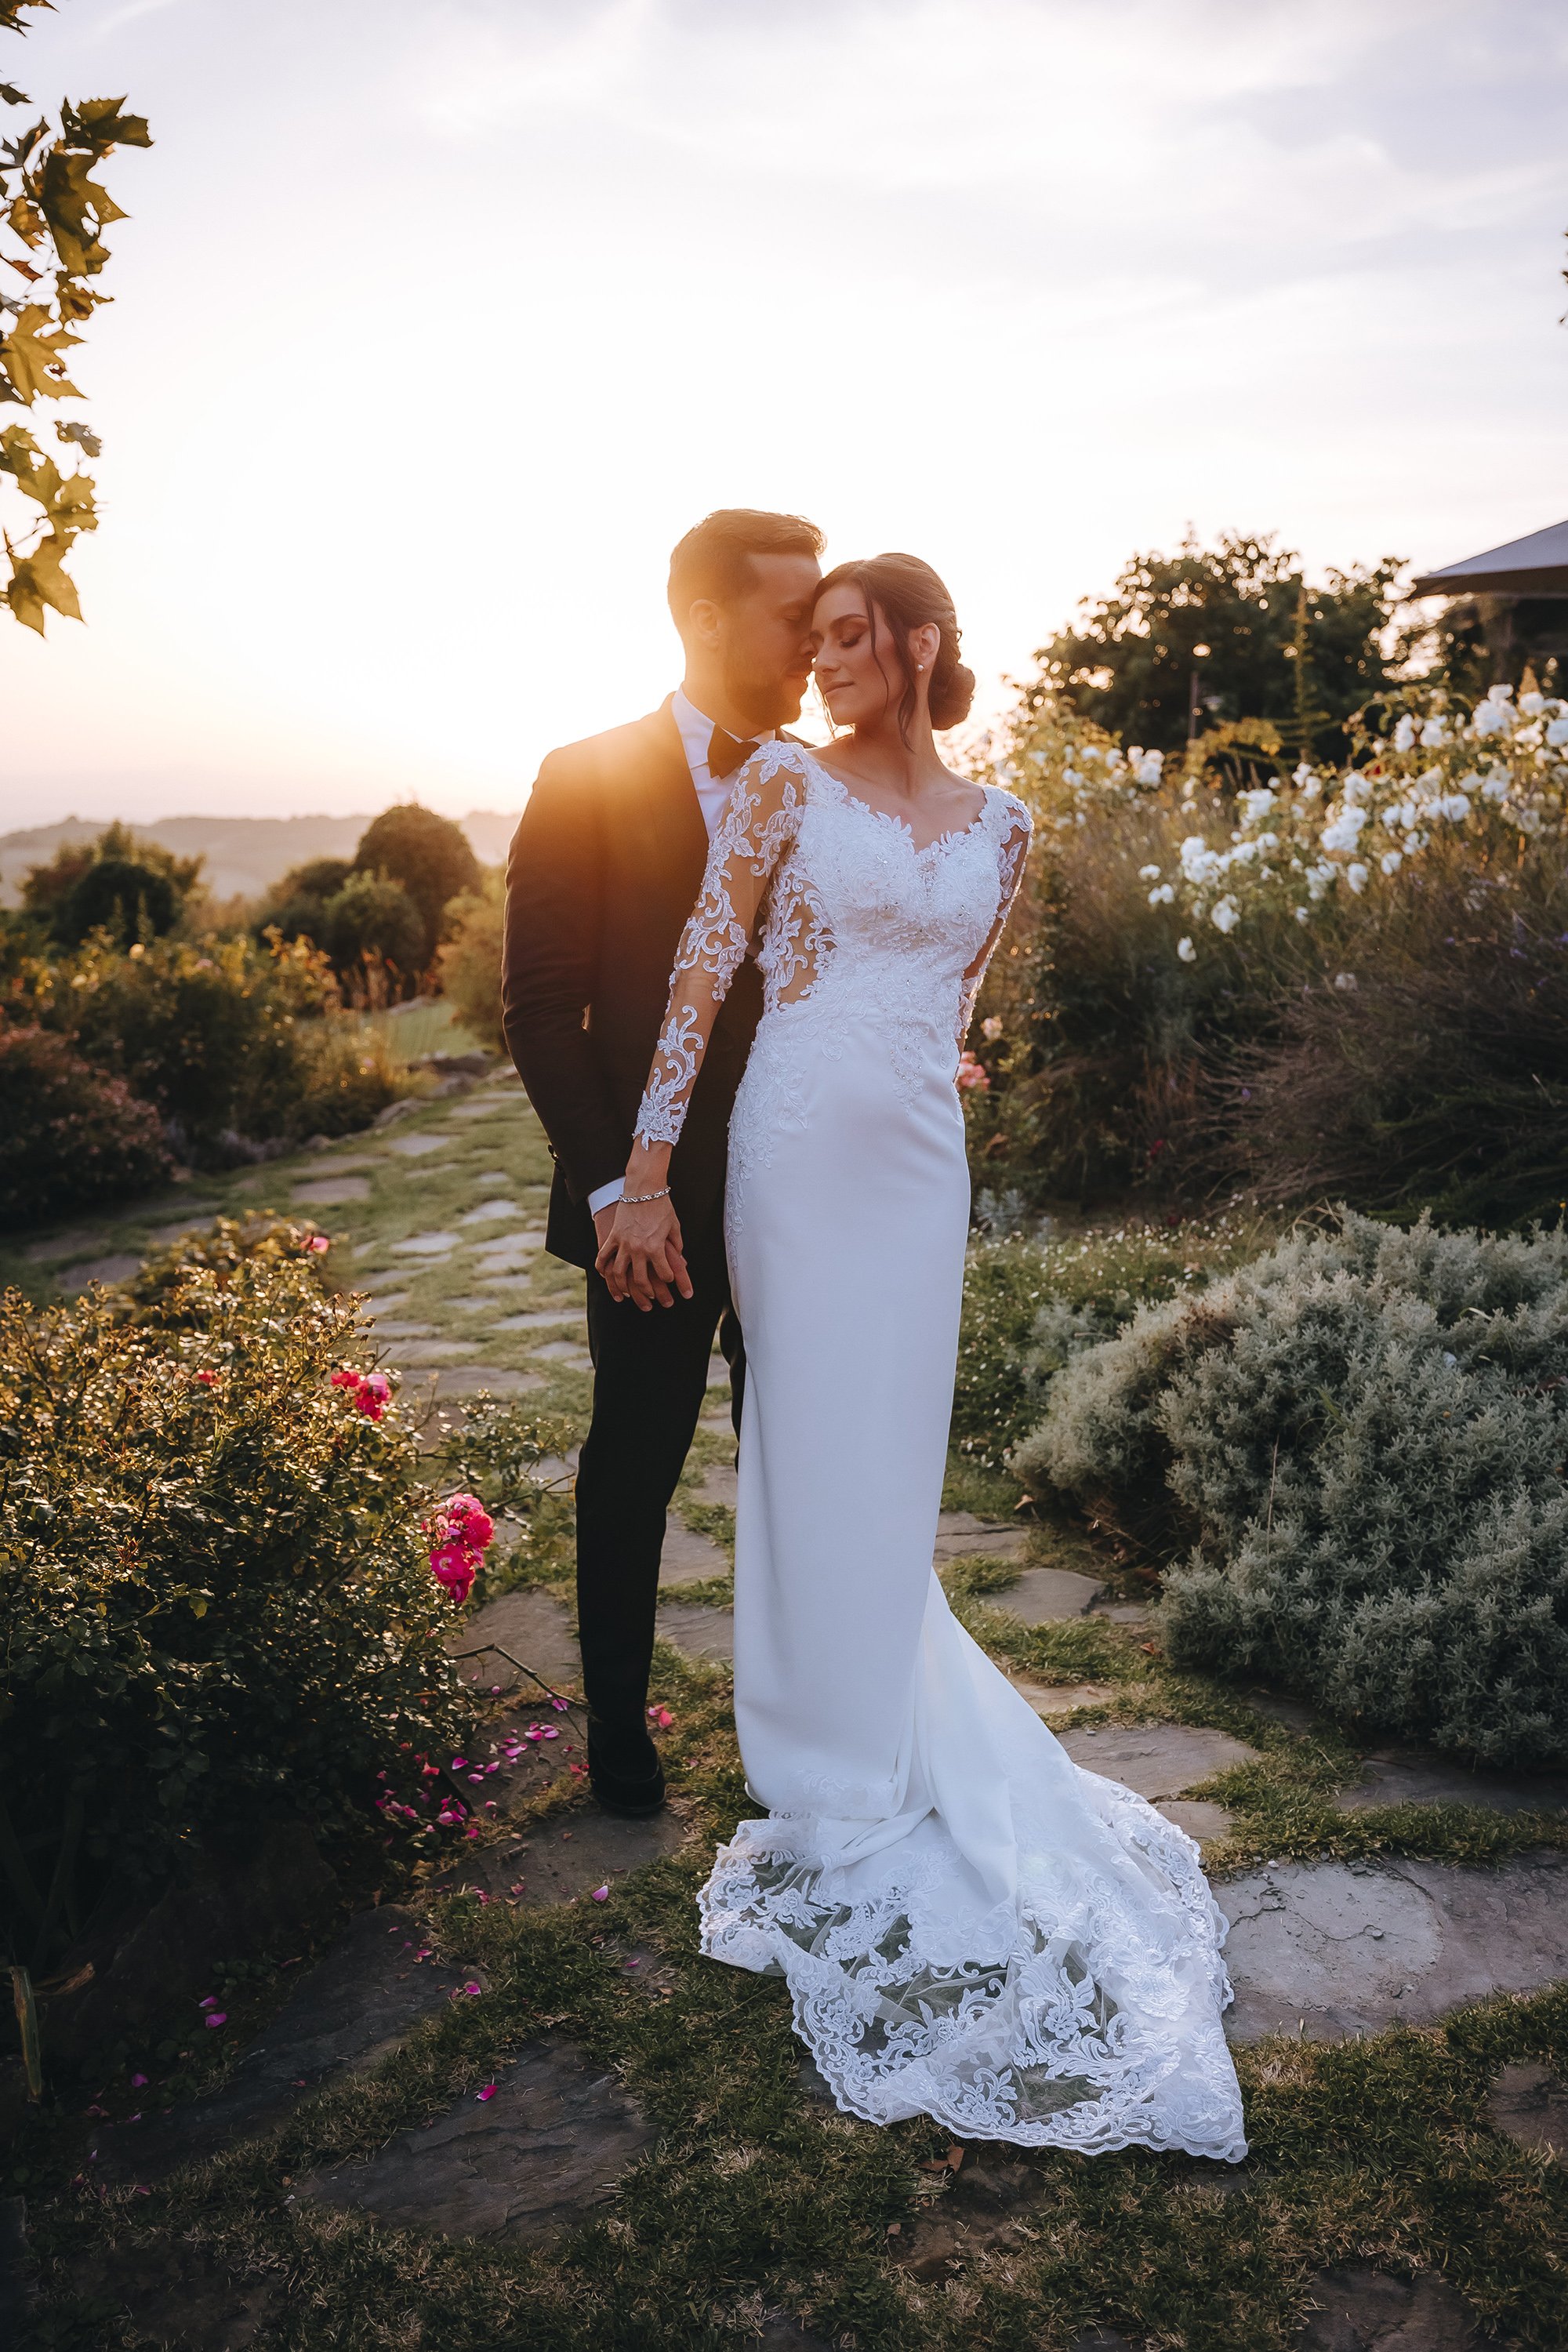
(1536, 565)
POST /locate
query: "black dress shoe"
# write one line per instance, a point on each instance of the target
(632, 1799)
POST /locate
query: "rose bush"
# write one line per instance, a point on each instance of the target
(215, 1600)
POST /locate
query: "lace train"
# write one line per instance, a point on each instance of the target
(1055, 2020)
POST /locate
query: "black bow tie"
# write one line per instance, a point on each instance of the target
(725, 754)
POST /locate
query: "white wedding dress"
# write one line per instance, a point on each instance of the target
(972, 1927)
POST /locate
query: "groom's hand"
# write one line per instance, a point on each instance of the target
(640, 1256)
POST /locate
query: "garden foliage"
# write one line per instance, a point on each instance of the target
(1354, 1451)
(470, 961)
(1191, 942)
(217, 1599)
(70, 1134)
(1031, 1304)
(231, 1043)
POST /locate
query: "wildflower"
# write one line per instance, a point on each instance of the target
(1164, 894)
(1150, 873)
(1404, 733)
(1226, 915)
(318, 1244)
(1356, 876)
(208, 1380)
(1186, 951)
(1343, 831)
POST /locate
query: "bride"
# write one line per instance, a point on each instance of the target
(972, 1927)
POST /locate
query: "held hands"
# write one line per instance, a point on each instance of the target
(640, 1254)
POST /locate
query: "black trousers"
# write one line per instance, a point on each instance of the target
(650, 1373)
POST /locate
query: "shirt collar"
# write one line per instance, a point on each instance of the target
(696, 731)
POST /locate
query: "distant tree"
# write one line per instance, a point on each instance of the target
(430, 857)
(121, 895)
(73, 898)
(57, 214)
(1240, 617)
(372, 916)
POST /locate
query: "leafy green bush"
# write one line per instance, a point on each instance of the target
(233, 1043)
(1031, 1306)
(68, 1135)
(371, 915)
(122, 896)
(216, 1599)
(1366, 1434)
(471, 960)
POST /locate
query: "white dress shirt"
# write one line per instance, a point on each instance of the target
(696, 732)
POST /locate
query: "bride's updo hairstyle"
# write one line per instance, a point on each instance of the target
(908, 595)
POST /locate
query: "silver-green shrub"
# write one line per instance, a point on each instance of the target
(1363, 1438)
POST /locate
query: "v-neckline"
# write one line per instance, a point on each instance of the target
(901, 824)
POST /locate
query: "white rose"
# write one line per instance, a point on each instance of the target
(1343, 831)
(1435, 731)
(1392, 860)
(1356, 876)
(1226, 916)
(1404, 733)
(1148, 873)
(1533, 704)
(1163, 896)
(1557, 732)
(1186, 951)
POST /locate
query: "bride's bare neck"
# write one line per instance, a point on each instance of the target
(877, 755)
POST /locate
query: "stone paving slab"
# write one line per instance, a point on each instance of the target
(1411, 1776)
(541, 2156)
(474, 1380)
(417, 1147)
(1157, 1759)
(1046, 1596)
(420, 1352)
(1058, 1699)
(961, 1535)
(331, 1191)
(53, 1247)
(357, 2003)
(536, 1627)
(433, 1245)
(721, 1481)
(118, 1268)
(1330, 1950)
(688, 1557)
(1355, 2309)
(701, 1632)
(566, 1856)
(1525, 2102)
(1198, 1816)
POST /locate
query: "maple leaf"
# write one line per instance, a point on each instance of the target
(30, 355)
(99, 125)
(75, 300)
(76, 207)
(11, 95)
(39, 580)
(81, 435)
(11, 13)
(25, 219)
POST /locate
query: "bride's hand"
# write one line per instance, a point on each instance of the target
(643, 1259)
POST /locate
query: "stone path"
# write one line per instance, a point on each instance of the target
(535, 2158)
(348, 2011)
(438, 1214)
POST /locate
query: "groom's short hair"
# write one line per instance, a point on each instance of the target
(714, 559)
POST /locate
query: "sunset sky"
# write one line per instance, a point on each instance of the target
(438, 320)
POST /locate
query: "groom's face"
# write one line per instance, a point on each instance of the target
(763, 640)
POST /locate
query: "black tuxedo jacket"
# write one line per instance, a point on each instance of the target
(605, 866)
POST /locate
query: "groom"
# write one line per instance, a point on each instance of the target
(605, 866)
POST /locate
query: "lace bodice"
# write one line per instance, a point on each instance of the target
(844, 911)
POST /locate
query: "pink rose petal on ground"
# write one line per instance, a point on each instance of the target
(550, 1732)
(488, 2092)
(559, 1705)
(210, 2002)
(216, 2017)
(471, 1988)
(137, 2080)
(601, 1894)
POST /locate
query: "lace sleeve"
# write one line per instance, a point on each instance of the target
(1012, 853)
(758, 822)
